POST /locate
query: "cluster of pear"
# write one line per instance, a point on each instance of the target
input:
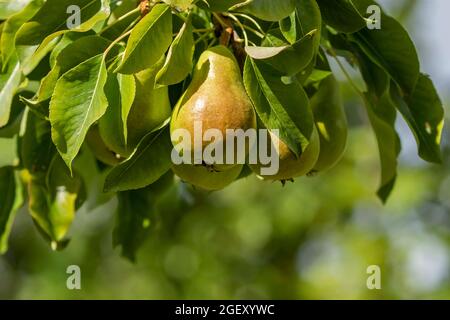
(216, 98)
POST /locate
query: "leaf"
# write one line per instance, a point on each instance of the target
(382, 115)
(118, 27)
(35, 144)
(72, 55)
(31, 56)
(11, 200)
(342, 15)
(11, 7)
(9, 82)
(93, 178)
(148, 41)
(302, 21)
(51, 20)
(65, 40)
(120, 90)
(78, 101)
(182, 5)
(12, 25)
(424, 113)
(288, 27)
(309, 18)
(178, 63)
(54, 197)
(270, 10)
(150, 160)
(134, 213)
(279, 105)
(218, 5)
(290, 60)
(8, 154)
(392, 49)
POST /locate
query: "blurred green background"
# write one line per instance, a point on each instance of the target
(313, 239)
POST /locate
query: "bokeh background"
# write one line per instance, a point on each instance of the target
(313, 239)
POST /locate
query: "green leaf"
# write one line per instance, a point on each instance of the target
(51, 20)
(150, 160)
(424, 113)
(35, 144)
(12, 25)
(120, 90)
(9, 82)
(78, 101)
(72, 55)
(179, 59)
(134, 213)
(11, 7)
(392, 49)
(290, 59)
(280, 106)
(342, 15)
(65, 40)
(119, 26)
(11, 200)
(302, 21)
(218, 5)
(8, 156)
(270, 10)
(309, 18)
(93, 178)
(182, 5)
(382, 115)
(54, 197)
(288, 27)
(148, 41)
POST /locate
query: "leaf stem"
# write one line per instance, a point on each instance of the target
(241, 26)
(346, 74)
(126, 15)
(123, 36)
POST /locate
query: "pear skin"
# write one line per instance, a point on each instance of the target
(290, 166)
(216, 99)
(203, 178)
(151, 107)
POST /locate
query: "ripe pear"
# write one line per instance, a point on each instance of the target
(206, 179)
(331, 123)
(215, 99)
(151, 107)
(290, 166)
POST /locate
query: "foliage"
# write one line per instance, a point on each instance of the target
(57, 106)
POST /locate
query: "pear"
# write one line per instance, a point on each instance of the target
(215, 99)
(151, 107)
(100, 150)
(206, 179)
(331, 123)
(290, 166)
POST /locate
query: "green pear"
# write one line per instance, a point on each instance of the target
(151, 107)
(100, 150)
(290, 166)
(331, 123)
(206, 179)
(215, 99)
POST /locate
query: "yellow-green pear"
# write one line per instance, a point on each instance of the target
(151, 107)
(216, 99)
(204, 178)
(290, 166)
